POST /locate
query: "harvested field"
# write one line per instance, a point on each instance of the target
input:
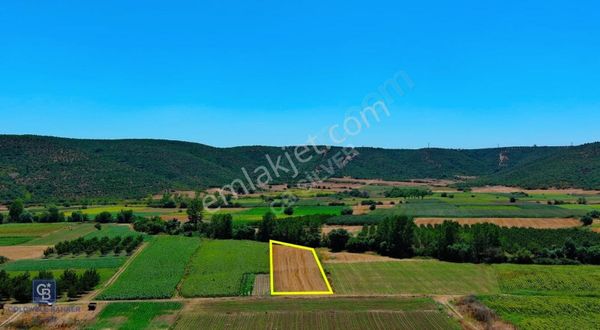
(22, 252)
(296, 270)
(261, 286)
(347, 257)
(543, 223)
(351, 229)
(75, 317)
(335, 313)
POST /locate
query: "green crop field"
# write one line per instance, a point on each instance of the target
(30, 229)
(139, 315)
(218, 267)
(256, 214)
(546, 312)
(437, 208)
(14, 240)
(412, 276)
(543, 280)
(156, 271)
(63, 263)
(70, 232)
(334, 313)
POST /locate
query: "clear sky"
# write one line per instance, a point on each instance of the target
(227, 73)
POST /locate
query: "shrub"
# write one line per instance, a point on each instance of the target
(347, 211)
(586, 220)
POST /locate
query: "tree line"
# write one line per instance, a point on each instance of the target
(19, 286)
(93, 245)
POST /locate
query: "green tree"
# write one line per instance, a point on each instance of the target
(221, 226)
(337, 239)
(104, 217)
(194, 211)
(288, 210)
(587, 220)
(395, 236)
(21, 288)
(125, 216)
(266, 227)
(79, 216)
(14, 210)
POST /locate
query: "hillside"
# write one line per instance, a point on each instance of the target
(42, 168)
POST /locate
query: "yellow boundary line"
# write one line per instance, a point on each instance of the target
(297, 293)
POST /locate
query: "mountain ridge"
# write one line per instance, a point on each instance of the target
(43, 167)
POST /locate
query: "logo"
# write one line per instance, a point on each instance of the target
(44, 291)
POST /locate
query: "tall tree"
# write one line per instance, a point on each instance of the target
(266, 227)
(15, 209)
(194, 211)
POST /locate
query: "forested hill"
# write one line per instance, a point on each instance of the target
(42, 168)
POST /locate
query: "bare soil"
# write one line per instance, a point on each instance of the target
(544, 223)
(262, 287)
(296, 270)
(23, 252)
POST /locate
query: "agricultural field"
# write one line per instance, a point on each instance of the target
(546, 312)
(30, 229)
(412, 276)
(548, 280)
(70, 232)
(335, 313)
(546, 223)
(256, 214)
(219, 268)
(438, 208)
(139, 315)
(14, 240)
(113, 230)
(156, 271)
(296, 270)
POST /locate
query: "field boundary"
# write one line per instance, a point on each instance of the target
(297, 293)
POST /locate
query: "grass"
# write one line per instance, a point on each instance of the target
(413, 277)
(548, 280)
(30, 229)
(112, 230)
(334, 313)
(63, 263)
(546, 312)
(156, 271)
(69, 232)
(218, 268)
(14, 240)
(139, 315)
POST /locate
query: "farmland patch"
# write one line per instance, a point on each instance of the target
(218, 268)
(296, 270)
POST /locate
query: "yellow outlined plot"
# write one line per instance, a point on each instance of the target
(314, 253)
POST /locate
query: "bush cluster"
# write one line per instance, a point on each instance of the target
(90, 246)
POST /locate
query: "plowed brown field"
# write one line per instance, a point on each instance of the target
(296, 270)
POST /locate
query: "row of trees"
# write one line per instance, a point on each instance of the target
(93, 245)
(479, 243)
(19, 287)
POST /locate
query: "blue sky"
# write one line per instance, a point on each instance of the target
(231, 73)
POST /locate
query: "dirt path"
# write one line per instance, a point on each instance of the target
(92, 295)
